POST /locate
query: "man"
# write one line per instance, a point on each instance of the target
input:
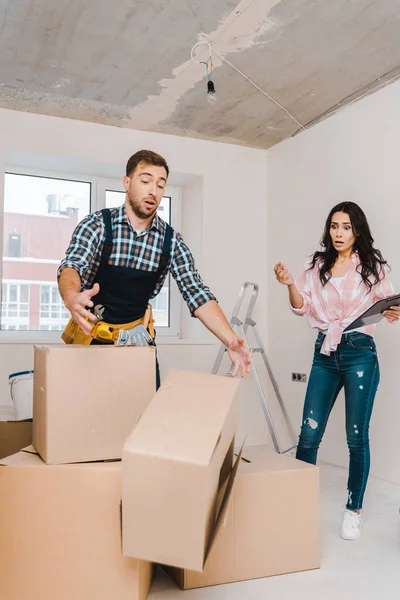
(119, 258)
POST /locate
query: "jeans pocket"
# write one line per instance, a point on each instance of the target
(362, 342)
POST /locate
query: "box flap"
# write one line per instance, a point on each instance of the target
(264, 459)
(223, 512)
(30, 449)
(195, 406)
(22, 459)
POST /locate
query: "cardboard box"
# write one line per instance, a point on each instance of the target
(14, 435)
(87, 399)
(272, 526)
(61, 533)
(175, 462)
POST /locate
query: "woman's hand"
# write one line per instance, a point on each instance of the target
(283, 275)
(393, 314)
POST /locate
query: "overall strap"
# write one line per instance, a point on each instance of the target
(108, 243)
(166, 251)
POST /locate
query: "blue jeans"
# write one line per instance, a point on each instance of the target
(354, 366)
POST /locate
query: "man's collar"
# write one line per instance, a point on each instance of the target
(157, 223)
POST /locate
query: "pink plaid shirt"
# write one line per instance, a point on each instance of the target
(331, 311)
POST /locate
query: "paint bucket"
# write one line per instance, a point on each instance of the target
(21, 390)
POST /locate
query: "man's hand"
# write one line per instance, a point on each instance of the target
(214, 319)
(240, 356)
(393, 314)
(76, 303)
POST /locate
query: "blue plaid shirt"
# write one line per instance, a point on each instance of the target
(136, 250)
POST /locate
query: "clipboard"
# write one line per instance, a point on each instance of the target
(374, 313)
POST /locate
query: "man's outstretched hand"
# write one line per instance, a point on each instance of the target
(240, 355)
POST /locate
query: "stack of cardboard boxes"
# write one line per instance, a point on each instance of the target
(187, 502)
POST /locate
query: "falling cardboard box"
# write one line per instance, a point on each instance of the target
(61, 533)
(87, 399)
(272, 525)
(175, 463)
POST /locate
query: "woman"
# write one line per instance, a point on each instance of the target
(336, 286)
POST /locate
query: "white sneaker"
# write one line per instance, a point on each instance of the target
(351, 526)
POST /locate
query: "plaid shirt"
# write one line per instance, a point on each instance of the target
(136, 250)
(331, 311)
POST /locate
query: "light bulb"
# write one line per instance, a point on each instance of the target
(211, 95)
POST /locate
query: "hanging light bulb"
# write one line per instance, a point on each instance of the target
(211, 95)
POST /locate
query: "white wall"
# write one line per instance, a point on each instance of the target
(224, 213)
(354, 156)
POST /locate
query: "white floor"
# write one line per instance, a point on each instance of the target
(366, 569)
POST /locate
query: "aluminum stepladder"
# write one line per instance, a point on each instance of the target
(242, 327)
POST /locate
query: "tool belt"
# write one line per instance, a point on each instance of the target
(105, 332)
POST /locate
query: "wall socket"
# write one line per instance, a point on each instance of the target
(302, 377)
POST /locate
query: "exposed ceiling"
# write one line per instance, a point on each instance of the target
(127, 63)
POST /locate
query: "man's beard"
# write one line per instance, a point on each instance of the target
(140, 212)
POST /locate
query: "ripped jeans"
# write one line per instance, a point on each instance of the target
(354, 366)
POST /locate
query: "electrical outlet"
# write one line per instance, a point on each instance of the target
(302, 377)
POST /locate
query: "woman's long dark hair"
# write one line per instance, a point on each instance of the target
(371, 259)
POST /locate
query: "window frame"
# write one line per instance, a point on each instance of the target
(99, 185)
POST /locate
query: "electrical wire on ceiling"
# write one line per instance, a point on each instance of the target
(211, 92)
(211, 96)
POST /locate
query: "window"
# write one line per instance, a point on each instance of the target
(14, 305)
(40, 213)
(41, 210)
(53, 314)
(14, 245)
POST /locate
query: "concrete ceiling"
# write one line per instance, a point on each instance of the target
(127, 62)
